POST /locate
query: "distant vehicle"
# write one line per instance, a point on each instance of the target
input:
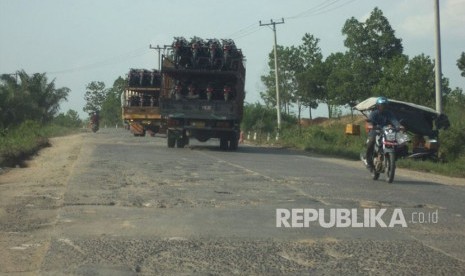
(140, 102)
(94, 121)
(202, 95)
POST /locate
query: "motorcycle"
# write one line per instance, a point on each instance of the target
(94, 127)
(94, 122)
(390, 144)
(216, 55)
(181, 52)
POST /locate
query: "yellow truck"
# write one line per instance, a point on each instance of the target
(140, 102)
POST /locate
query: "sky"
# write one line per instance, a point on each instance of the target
(76, 42)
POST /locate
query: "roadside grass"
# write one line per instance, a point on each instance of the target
(26, 139)
(330, 139)
(454, 168)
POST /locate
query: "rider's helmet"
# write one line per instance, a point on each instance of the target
(382, 101)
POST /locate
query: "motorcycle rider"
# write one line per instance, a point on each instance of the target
(94, 119)
(379, 118)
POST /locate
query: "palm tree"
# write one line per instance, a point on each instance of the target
(32, 97)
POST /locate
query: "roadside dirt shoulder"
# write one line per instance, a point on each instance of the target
(29, 202)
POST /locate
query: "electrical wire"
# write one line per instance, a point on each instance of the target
(110, 61)
(321, 8)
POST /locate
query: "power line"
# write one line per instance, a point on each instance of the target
(321, 8)
(113, 60)
(243, 30)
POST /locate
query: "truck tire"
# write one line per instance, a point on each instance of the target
(180, 143)
(223, 143)
(170, 140)
(233, 142)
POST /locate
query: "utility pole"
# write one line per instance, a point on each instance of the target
(278, 104)
(158, 48)
(438, 69)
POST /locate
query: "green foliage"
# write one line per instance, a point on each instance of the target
(26, 139)
(343, 78)
(111, 106)
(453, 140)
(70, 119)
(261, 118)
(461, 64)
(299, 75)
(95, 96)
(329, 140)
(106, 100)
(28, 97)
(372, 40)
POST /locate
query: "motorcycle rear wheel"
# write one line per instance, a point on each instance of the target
(390, 167)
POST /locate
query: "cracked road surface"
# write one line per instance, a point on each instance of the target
(113, 204)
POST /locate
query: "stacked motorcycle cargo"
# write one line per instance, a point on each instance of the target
(203, 91)
(140, 101)
(144, 78)
(140, 88)
(206, 54)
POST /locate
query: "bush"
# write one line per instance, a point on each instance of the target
(25, 140)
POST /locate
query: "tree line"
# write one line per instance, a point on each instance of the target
(105, 100)
(32, 97)
(26, 97)
(373, 65)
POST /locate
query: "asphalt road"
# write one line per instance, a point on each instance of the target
(132, 206)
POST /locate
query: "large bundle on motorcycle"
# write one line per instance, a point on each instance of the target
(422, 122)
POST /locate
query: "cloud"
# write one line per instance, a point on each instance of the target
(453, 19)
(419, 18)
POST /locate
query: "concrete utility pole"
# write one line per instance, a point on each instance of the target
(438, 69)
(278, 104)
(158, 48)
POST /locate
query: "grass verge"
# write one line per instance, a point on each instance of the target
(331, 140)
(25, 140)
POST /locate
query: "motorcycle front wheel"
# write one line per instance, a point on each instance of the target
(390, 166)
(375, 174)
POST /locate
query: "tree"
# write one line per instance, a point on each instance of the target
(95, 96)
(310, 76)
(410, 80)
(372, 40)
(111, 106)
(70, 119)
(29, 97)
(286, 61)
(297, 69)
(262, 118)
(461, 64)
(371, 44)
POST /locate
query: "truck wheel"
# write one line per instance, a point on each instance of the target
(180, 143)
(171, 141)
(233, 142)
(223, 143)
(186, 140)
